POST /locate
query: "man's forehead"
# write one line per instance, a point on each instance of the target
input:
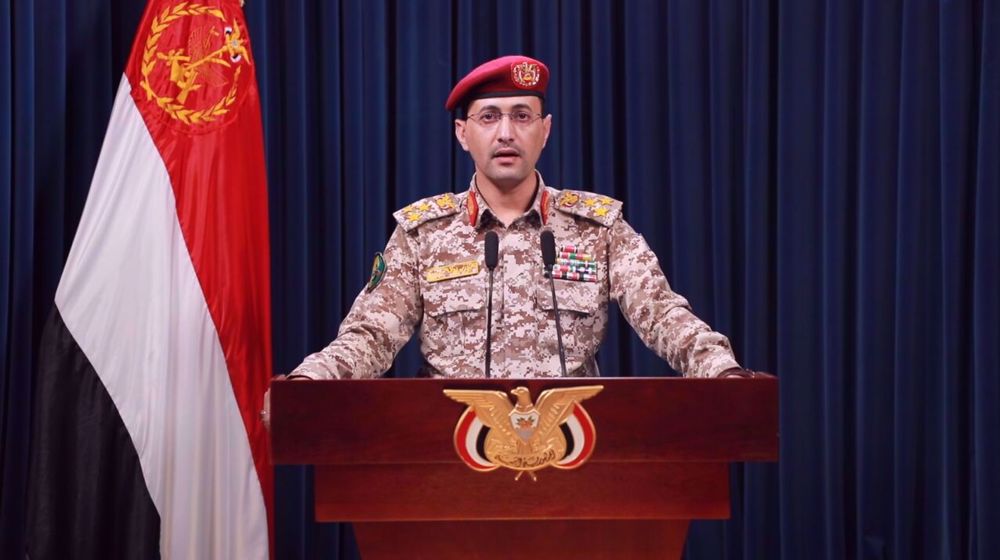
(505, 103)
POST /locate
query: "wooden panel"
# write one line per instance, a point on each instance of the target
(637, 419)
(453, 492)
(548, 540)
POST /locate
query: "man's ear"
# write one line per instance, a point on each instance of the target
(460, 133)
(547, 123)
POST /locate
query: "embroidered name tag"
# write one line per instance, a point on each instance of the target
(452, 271)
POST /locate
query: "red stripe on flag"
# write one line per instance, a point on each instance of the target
(212, 146)
(587, 425)
(461, 434)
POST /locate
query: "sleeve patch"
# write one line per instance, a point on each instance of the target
(378, 272)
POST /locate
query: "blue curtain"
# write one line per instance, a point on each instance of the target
(820, 179)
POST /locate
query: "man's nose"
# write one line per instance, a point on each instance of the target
(505, 129)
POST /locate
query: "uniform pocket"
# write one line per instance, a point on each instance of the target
(579, 297)
(578, 305)
(455, 317)
(442, 298)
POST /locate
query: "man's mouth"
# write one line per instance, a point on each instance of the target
(506, 153)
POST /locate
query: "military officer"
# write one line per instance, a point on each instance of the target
(432, 274)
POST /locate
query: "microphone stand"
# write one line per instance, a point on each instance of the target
(489, 326)
(555, 309)
(492, 247)
(549, 260)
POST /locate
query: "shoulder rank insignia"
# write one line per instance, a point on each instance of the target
(425, 210)
(597, 207)
(569, 199)
(378, 272)
(526, 437)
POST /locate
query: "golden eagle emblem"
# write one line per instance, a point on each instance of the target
(556, 431)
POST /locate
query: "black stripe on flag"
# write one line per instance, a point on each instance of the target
(481, 441)
(570, 442)
(101, 508)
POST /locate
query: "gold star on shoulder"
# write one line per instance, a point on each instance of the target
(422, 211)
(590, 202)
(602, 211)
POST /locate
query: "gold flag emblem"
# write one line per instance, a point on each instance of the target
(192, 60)
(525, 437)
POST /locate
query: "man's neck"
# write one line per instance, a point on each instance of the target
(508, 203)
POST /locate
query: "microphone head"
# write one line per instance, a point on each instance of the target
(548, 248)
(492, 248)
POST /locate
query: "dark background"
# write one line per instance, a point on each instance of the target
(821, 180)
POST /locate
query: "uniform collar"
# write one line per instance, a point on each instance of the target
(476, 207)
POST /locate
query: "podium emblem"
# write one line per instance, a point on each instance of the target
(524, 436)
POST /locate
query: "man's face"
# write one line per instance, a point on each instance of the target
(505, 152)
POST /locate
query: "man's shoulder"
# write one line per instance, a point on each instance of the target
(593, 206)
(428, 209)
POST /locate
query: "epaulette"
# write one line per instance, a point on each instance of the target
(425, 210)
(597, 207)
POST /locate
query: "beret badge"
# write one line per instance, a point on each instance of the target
(525, 74)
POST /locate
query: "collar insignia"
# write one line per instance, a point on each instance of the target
(544, 204)
(473, 207)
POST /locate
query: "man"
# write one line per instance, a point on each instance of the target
(432, 273)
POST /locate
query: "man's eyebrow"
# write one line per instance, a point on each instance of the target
(496, 108)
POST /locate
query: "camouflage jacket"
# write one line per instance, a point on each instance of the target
(435, 278)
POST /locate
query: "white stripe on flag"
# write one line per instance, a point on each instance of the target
(130, 297)
(578, 439)
(471, 438)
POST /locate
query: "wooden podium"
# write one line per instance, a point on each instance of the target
(385, 460)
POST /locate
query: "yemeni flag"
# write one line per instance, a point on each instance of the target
(147, 441)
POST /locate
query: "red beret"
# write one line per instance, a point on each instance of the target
(506, 76)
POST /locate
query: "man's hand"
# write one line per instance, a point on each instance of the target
(738, 372)
(265, 413)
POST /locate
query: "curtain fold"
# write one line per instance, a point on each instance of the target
(820, 179)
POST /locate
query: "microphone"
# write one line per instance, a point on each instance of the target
(492, 248)
(549, 260)
(548, 250)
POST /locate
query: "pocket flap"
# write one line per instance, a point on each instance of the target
(450, 296)
(581, 297)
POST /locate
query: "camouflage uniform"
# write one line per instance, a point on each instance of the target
(436, 278)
